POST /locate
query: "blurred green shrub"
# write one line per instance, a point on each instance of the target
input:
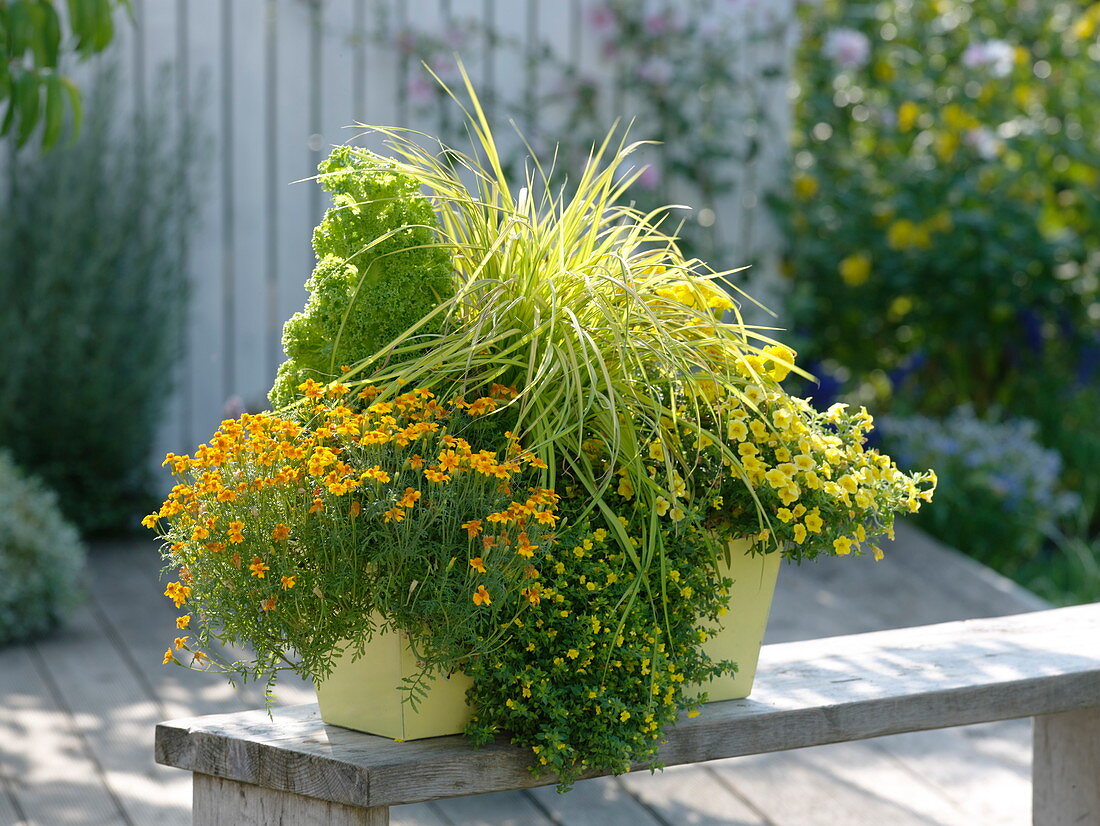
(92, 305)
(999, 496)
(945, 217)
(41, 558)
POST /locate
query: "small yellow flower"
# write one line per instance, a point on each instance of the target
(481, 596)
(258, 568)
(184, 621)
(180, 642)
(856, 269)
(289, 582)
(478, 564)
(169, 656)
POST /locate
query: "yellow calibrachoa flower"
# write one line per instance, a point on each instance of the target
(856, 269)
(907, 115)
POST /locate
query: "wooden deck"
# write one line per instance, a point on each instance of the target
(77, 713)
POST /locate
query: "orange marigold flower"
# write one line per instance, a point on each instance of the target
(473, 527)
(481, 596)
(409, 499)
(478, 564)
(337, 389)
(181, 642)
(281, 532)
(318, 505)
(433, 475)
(355, 509)
(236, 560)
(289, 582)
(311, 389)
(448, 460)
(177, 592)
(376, 473)
(236, 532)
(488, 542)
(416, 462)
(394, 515)
(150, 521)
(169, 656)
(525, 548)
(545, 517)
(184, 621)
(198, 658)
(532, 594)
(258, 568)
(268, 604)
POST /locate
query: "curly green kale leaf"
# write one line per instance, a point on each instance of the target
(379, 271)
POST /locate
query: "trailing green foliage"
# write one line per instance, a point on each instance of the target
(582, 691)
(379, 271)
(41, 558)
(33, 37)
(92, 306)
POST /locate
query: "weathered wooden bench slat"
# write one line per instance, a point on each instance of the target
(807, 693)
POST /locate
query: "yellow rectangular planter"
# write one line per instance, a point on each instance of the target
(364, 694)
(740, 638)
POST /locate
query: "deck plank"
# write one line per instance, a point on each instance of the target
(52, 777)
(601, 801)
(691, 795)
(115, 713)
(513, 808)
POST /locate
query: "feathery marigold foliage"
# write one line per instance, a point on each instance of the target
(379, 271)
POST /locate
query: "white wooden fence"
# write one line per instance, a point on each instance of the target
(275, 83)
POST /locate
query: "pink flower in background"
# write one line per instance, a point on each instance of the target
(406, 42)
(601, 18)
(420, 90)
(847, 48)
(234, 408)
(650, 178)
(996, 56)
(662, 22)
(656, 70)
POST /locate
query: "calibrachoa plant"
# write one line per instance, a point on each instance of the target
(536, 482)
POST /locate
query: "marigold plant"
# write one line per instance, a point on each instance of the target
(294, 538)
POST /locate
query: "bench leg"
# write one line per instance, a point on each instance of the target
(1066, 769)
(220, 802)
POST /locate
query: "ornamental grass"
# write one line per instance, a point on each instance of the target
(536, 480)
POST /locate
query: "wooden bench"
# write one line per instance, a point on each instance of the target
(249, 768)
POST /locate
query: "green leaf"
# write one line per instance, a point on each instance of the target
(54, 110)
(74, 103)
(26, 99)
(51, 34)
